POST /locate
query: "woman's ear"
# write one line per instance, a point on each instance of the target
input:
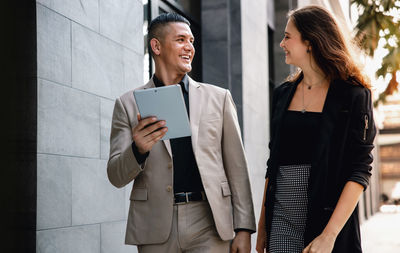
(155, 46)
(308, 46)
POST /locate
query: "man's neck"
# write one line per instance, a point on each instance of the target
(168, 79)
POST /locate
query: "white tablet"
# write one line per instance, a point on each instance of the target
(166, 103)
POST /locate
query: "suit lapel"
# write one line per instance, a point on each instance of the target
(167, 145)
(149, 84)
(195, 108)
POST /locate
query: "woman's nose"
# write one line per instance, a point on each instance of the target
(281, 44)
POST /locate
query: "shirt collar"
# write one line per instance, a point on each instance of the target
(184, 82)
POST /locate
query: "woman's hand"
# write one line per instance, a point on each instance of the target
(262, 234)
(261, 238)
(322, 244)
(325, 242)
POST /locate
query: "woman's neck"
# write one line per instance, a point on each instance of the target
(313, 77)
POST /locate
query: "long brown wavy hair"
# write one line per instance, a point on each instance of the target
(329, 47)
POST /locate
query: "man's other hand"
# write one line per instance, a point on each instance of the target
(241, 243)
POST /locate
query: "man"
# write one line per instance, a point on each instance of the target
(189, 194)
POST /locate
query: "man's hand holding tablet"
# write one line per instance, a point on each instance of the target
(147, 133)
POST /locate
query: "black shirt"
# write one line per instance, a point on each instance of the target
(186, 173)
(299, 137)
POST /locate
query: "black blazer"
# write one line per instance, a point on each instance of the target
(342, 154)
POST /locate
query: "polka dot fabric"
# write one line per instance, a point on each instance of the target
(290, 209)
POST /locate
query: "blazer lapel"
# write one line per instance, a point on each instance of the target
(168, 147)
(281, 107)
(332, 106)
(319, 168)
(284, 102)
(195, 108)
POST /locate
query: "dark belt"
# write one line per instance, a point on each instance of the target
(185, 197)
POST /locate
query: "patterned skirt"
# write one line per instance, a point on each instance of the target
(290, 209)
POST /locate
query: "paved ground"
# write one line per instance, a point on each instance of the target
(381, 233)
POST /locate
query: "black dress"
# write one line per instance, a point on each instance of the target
(299, 133)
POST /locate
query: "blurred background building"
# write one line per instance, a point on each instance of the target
(75, 57)
(389, 152)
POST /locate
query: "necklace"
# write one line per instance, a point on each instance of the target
(304, 107)
(309, 87)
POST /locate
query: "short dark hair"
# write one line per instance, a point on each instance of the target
(156, 25)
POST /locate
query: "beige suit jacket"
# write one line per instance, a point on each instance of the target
(220, 157)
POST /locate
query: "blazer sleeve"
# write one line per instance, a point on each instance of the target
(235, 166)
(122, 166)
(362, 132)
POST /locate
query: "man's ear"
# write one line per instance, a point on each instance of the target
(155, 46)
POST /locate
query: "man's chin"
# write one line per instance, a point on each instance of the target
(187, 69)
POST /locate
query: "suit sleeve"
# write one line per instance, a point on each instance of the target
(362, 134)
(235, 165)
(122, 166)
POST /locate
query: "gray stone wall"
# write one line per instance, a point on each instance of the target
(88, 53)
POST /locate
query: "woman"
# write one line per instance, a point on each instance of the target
(322, 134)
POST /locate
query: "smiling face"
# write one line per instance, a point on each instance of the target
(175, 49)
(293, 45)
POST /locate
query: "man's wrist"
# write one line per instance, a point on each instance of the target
(237, 230)
(140, 158)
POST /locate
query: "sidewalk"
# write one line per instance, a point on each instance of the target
(381, 233)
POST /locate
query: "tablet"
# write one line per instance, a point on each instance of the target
(166, 103)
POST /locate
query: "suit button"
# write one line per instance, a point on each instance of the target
(170, 165)
(169, 188)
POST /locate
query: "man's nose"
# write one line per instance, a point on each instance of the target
(189, 46)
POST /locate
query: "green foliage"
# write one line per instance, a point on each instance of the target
(377, 21)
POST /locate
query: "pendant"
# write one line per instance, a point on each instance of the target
(303, 110)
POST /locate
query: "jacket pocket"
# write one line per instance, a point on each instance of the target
(139, 194)
(366, 122)
(226, 191)
(362, 126)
